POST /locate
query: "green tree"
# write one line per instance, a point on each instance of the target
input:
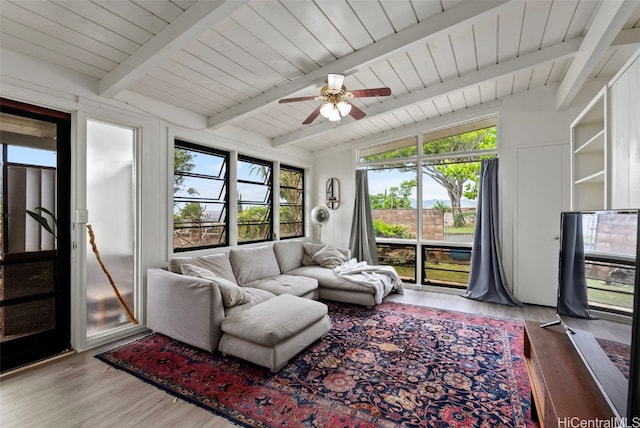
(439, 205)
(182, 162)
(394, 197)
(457, 175)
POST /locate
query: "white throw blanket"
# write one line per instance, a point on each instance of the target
(382, 278)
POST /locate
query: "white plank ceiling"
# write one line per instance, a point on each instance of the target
(229, 62)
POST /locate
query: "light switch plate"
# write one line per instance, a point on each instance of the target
(82, 216)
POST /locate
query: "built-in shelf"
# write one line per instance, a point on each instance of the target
(597, 177)
(594, 144)
(589, 156)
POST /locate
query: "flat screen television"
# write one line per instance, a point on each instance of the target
(599, 251)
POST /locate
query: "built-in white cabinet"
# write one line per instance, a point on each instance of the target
(605, 161)
(624, 137)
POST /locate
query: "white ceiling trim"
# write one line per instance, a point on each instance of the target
(605, 26)
(430, 28)
(543, 56)
(194, 21)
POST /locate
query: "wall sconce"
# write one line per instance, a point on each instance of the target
(333, 193)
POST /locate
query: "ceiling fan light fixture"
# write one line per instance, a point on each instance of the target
(334, 82)
(327, 110)
(344, 108)
(334, 116)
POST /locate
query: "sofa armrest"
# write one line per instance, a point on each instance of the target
(185, 308)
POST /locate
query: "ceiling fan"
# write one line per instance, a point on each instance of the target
(336, 96)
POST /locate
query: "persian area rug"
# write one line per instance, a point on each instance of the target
(393, 365)
(618, 353)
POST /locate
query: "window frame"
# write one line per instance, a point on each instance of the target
(269, 235)
(185, 145)
(302, 221)
(418, 161)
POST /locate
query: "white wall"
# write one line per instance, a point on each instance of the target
(341, 166)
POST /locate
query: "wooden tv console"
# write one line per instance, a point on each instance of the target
(562, 389)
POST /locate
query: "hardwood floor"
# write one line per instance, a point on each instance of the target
(78, 390)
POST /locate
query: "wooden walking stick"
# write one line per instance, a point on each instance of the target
(92, 241)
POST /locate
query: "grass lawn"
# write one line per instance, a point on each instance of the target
(616, 295)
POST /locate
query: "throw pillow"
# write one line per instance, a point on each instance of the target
(310, 250)
(232, 294)
(217, 263)
(329, 257)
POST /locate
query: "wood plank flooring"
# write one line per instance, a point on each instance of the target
(78, 390)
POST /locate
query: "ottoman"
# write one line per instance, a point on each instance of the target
(272, 332)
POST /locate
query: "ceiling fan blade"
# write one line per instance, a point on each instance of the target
(293, 100)
(374, 92)
(313, 115)
(356, 113)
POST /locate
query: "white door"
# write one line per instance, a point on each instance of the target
(542, 194)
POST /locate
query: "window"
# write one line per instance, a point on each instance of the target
(111, 201)
(401, 256)
(424, 189)
(199, 197)
(291, 202)
(255, 214)
(610, 250)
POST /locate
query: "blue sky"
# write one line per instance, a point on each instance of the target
(381, 180)
(26, 155)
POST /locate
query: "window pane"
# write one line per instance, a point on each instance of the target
(291, 202)
(254, 200)
(610, 249)
(392, 196)
(446, 265)
(449, 195)
(111, 203)
(401, 257)
(446, 142)
(200, 197)
(399, 149)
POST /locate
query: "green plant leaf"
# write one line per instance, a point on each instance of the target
(46, 211)
(36, 214)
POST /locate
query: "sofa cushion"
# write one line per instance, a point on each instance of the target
(250, 264)
(232, 293)
(285, 284)
(275, 320)
(329, 257)
(289, 254)
(217, 263)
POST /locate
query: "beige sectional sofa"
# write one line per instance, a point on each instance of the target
(256, 303)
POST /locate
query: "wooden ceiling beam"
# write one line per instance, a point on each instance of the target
(183, 30)
(603, 30)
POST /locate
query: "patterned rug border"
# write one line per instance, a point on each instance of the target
(153, 383)
(225, 413)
